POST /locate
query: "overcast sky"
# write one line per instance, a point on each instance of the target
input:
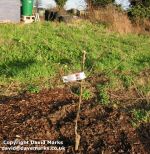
(80, 4)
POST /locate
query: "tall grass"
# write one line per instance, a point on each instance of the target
(115, 18)
(118, 20)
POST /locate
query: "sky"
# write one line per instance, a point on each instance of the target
(80, 4)
(125, 3)
(77, 4)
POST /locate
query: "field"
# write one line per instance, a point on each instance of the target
(37, 105)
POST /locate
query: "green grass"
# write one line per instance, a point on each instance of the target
(31, 54)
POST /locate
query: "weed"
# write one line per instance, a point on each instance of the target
(86, 94)
(103, 95)
(127, 80)
(140, 115)
(33, 89)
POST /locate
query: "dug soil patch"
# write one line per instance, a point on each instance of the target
(50, 115)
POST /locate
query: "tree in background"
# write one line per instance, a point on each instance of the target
(100, 3)
(60, 3)
(140, 9)
(145, 3)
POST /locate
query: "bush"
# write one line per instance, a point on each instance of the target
(139, 11)
(145, 3)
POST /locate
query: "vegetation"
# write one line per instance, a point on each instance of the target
(102, 2)
(33, 89)
(36, 56)
(52, 49)
(35, 62)
(145, 3)
(139, 116)
(139, 11)
(61, 3)
(86, 94)
(116, 92)
(103, 95)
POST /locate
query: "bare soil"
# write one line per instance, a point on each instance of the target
(50, 115)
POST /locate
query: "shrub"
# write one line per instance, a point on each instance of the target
(145, 3)
(140, 17)
(139, 11)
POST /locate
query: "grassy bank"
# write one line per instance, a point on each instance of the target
(37, 53)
